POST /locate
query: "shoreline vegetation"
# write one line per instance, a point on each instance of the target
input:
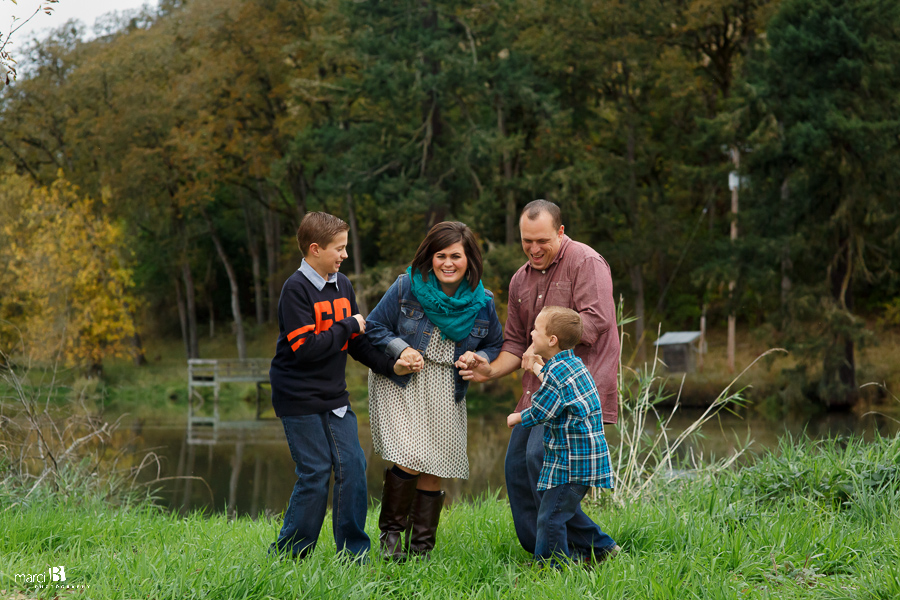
(810, 520)
(156, 393)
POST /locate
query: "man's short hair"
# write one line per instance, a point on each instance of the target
(565, 324)
(318, 228)
(534, 209)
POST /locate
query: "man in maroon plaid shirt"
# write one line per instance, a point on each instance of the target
(559, 272)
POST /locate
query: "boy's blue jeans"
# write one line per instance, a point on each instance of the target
(524, 460)
(558, 506)
(318, 444)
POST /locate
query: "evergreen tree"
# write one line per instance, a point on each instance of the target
(825, 170)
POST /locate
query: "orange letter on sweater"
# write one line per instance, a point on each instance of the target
(323, 309)
(341, 309)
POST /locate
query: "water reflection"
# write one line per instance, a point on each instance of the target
(249, 471)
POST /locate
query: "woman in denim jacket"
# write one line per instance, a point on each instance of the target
(430, 316)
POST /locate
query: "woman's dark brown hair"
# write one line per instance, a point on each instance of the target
(446, 234)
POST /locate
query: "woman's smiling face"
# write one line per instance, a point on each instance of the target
(450, 265)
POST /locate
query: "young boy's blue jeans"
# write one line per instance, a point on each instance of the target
(524, 460)
(558, 505)
(319, 444)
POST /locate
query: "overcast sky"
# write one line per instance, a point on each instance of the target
(83, 10)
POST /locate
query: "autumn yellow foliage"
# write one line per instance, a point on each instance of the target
(65, 286)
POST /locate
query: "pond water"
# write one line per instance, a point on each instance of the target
(249, 470)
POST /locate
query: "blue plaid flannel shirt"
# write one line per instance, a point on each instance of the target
(567, 402)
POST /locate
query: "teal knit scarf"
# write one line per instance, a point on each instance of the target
(454, 315)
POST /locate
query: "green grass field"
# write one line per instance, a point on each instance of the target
(810, 520)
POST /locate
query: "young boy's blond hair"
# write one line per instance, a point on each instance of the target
(565, 324)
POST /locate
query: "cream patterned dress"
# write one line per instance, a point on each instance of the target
(420, 427)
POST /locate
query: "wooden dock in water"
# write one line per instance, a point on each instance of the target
(213, 373)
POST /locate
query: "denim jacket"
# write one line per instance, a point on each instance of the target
(399, 322)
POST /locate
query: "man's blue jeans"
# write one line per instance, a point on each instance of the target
(524, 460)
(558, 506)
(318, 444)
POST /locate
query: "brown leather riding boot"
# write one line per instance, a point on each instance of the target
(396, 499)
(424, 517)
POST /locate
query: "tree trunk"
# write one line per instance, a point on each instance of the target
(182, 317)
(235, 290)
(190, 296)
(630, 156)
(637, 286)
(842, 357)
(357, 255)
(633, 220)
(270, 231)
(786, 263)
(662, 280)
(732, 315)
(137, 347)
(209, 284)
(299, 188)
(511, 216)
(787, 266)
(431, 110)
(253, 247)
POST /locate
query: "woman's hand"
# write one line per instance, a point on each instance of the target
(413, 359)
(513, 420)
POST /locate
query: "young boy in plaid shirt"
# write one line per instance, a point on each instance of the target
(576, 456)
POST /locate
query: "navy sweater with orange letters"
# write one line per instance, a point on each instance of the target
(316, 330)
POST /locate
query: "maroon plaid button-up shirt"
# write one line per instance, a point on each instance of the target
(578, 278)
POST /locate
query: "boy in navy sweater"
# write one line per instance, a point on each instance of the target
(319, 322)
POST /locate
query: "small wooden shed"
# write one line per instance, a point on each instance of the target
(679, 350)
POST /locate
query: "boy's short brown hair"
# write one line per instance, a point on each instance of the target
(318, 228)
(565, 324)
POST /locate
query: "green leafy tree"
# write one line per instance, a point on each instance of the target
(827, 96)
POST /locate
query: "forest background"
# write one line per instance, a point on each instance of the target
(152, 178)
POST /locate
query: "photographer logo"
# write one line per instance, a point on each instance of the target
(53, 577)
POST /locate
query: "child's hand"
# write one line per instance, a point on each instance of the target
(537, 367)
(402, 367)
(529, 358)
(513, 420)
(362, 323)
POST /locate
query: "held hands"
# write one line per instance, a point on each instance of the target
(513, 420)
(538, 366)
(413, 360)
(362, 323)
(529, 358)
(474, 367)
(401, 367)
